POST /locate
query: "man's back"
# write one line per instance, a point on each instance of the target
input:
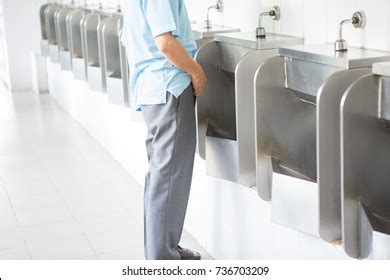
(151, 75)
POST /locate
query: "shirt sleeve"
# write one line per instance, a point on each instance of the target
(162, 16)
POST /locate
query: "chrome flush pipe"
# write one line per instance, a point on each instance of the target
(341, 44)
(119, 8)
(358, 20)
(274, 13)
(218, 7)
(261, 17)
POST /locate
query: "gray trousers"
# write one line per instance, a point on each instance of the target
(171, 144)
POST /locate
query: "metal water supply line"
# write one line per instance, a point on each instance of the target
(218, 7)
(358, 20)
(119, 7)
(274, 13)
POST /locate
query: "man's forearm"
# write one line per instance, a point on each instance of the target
(176, 54)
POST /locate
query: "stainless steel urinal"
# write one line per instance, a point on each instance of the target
(92, 26)
(225, 113)
(63, 36)
(298, 97)
(115, 62)
(51, 32)
(365, 153)
(44, 36)
(76, 41)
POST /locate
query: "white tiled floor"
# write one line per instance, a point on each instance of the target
(62, 196)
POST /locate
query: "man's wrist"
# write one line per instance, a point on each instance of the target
(196, 71)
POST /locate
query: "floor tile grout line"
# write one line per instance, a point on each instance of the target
(17, 220)
(90, 245)
(80, 127)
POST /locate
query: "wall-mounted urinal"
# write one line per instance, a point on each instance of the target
(365, 153)
(298, 97)
(115, 62)
(63, 36)
(225, 112)
(51, 33)
(44, 36)
(92, 26)
(76, 41)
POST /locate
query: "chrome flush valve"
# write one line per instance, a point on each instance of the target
(274, 13)
(219, 7)
(358, 20)
(118, 6)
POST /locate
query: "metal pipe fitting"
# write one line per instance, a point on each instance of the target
(274, 13)
(218, 7)
(358, 20)
(119, 7)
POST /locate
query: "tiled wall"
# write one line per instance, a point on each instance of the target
(316, 20)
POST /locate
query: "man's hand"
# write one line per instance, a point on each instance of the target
(176, 54)
(199, 80)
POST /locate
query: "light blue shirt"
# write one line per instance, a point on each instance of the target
(151, 74)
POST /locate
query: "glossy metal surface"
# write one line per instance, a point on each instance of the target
(94, 73)
(297, 107)
(93, 48)
(383, 69)
(249, 40)
(325, 54)
(219, 7)
(200, 32)
(328, 139)
(113, 56)
(63, 37)
(102, 58)
(76, 42)
(226, 131)
(50, 13)
(274, 13)
(365, 152)
(285, 123)
(358, 20)
(245, 114)
(204, 35)
(44, 39)
(212, 110)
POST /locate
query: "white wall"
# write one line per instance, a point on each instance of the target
(17, 22)
(315, 20)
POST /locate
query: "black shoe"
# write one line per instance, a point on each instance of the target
(188, 255)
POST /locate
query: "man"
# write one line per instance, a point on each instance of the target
(164, 80)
